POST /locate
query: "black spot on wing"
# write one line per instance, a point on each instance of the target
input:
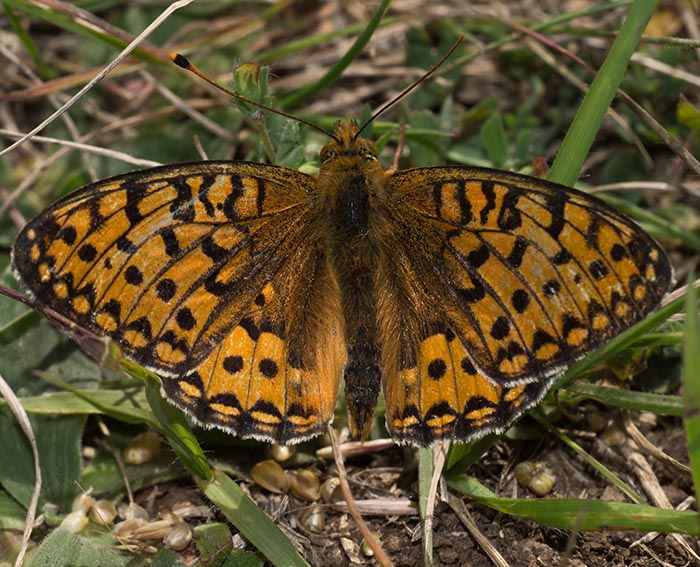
(520, 300)
(166, 289)
(233, 364)
(437, 368)
(87, 253)
(133, 275)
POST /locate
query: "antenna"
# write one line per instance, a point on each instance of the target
(410, 88)
(182, 61)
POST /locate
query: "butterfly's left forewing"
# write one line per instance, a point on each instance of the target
(517, 278)
(167, 260)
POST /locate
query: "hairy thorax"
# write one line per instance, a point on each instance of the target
(351, 192)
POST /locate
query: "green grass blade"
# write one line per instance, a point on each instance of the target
(252, 522)
(99, 400)
(579, 138)
(691, 383)
(586, 515)
(22, 34)
(174, 425)
(313, 41)
(65, 403)
(660, 404)
(425, 474)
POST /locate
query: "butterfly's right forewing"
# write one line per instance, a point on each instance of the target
(532, 275)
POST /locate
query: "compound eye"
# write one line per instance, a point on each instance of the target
(367, 155)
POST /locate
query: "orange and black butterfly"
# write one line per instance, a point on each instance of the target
(252, 290)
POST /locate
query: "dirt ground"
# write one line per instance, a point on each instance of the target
(523, 543)
(390, 476)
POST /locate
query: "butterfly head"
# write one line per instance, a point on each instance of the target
(348, 143)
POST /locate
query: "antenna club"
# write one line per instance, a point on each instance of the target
(180, 60)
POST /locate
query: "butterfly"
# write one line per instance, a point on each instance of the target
(252, 290)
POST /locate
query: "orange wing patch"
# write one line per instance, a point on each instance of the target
(275, 376)
(445, 397)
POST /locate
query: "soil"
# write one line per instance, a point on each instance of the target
(390, 475)
(522, 543)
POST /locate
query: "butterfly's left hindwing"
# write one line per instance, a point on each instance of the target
(512, 279)
(275, 375)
